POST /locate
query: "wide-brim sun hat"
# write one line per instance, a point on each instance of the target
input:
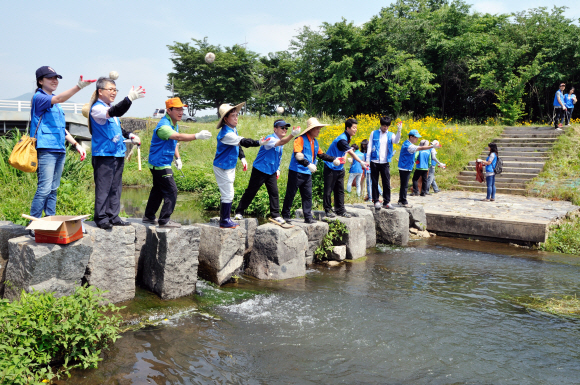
(87, 106)
(224, 109)
(311, 124)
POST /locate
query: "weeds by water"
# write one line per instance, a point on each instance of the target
(564, 237)
(568, 306)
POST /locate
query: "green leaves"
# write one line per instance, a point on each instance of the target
(336, 231)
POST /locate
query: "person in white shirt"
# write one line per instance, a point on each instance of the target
(434, 162)
(380, 153)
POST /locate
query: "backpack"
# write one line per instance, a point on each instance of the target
(498, 166)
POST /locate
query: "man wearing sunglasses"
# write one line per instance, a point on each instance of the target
(266, 170)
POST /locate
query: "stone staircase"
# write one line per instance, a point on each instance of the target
(524, 151)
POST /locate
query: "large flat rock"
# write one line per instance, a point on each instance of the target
(392, 226)
(278, 253)
(140, 245)
(370, 232)
(45, 266)
(171, 262)
(112, 263)
(248, 224)
(221, 252)
(356, 240)
(315, 233)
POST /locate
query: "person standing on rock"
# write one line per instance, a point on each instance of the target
(422, 162)
(164, 147)
(559, 107)
(48, 126)
(380, 152)
(266, 170)
(407, 162)
(367, 178)
(569, 100)
(302, 165)
(226, 157)
(334, 173)
(108, 149)
(434, 162)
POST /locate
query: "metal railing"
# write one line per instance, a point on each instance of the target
(19, 105)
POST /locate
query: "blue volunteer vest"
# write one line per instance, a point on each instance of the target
(307, 151)
(406, 159)
(491, 167)
(161, 152)
(377, 146)
(268, 161)
(356, 167)
(568, 101)
(226, 156)
(335, 152)
(424, 158)
(51, 132)
(556, 104)
(103, 134)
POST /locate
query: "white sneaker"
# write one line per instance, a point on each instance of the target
(377, 205)
(558, 129)
(239, 217)
(280, 220)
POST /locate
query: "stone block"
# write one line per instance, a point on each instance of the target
(45, 266)
(356, 240)
(112, 263)
(278, 253)
(316, 214)
(221, 252)
(315, 233)
(417, 217)
(170, 266)
(338, 253)
(370, 232)
(248, 224)
(8, 230)
(392, 226)
(140, 245)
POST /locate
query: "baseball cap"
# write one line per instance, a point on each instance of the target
(281, 123)
(414, 133)
(174, 102)
(46, 71)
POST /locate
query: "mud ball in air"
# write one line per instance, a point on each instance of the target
(280, 110)
(114, 75)
(209, 57)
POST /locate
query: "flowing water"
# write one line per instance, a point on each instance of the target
(432, 313)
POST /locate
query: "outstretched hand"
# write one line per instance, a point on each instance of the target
(83, 83)
(245, 164)
(135, 94)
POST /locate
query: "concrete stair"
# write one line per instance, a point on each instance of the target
(524, 151)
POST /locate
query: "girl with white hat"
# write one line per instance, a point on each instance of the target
(226, 157)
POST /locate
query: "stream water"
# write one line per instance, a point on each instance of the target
(435, 312)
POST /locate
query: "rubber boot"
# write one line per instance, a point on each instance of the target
(225, 221)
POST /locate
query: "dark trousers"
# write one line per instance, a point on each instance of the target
(404, 175)
(384, 170)
(257, 179)
(108, 174)
(569, 115)
(559, 116)
(164, 189)
(333, 182)
(420, 174)
(297, 180)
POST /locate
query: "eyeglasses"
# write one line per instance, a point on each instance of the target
(110, 89)
(283, 128)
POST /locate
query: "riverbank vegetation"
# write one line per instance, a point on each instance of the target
(44, 338)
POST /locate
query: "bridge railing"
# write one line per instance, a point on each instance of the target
(19, 105)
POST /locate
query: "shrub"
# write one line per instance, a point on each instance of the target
(336, 231)
(43, 337)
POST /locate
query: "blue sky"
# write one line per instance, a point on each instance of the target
(131, 37)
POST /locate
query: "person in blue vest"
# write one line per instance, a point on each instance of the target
(355, 172)
(48, 126)
(302, 165)
(422, 162)
(334, 174)
(434, 162)
(407, 162)
(367, 177)
(108, 150)
(559, 107)
(226, 157)
(490, 162)
(266, 170)
(164, 147)
(380, 152)
(569, 100)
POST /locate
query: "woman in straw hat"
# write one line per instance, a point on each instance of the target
(226, 157)
(302, 165)
(49, 129)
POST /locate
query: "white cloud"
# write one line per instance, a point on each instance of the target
(265, 38)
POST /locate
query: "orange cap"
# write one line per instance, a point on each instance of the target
(174, 102)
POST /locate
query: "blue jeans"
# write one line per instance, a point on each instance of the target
(354, 177)
(431, 180)
(50, 165)
(490, 181)
(370, 186)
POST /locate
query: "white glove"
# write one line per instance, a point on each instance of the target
(399, 126)
(81, 151)
(245, 164)
(83, 83)
(442, 165)
(135, 94)
(479, 160)
(312, 168)
(277, 174)
(336, 162)
(263, 141)
(178, 163)
(349, 160)
(135, 139)
(299, 156)
(203, 135)
(295, 131)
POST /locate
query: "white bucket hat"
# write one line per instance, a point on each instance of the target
(312, 123)
(434, 142)
(224, 109)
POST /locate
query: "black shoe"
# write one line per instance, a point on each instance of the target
(170, 225)
(122, 223)
(149, 221)
(105, 226)
(345, 215)
(288, 221)
(309, 220)
(31, 233)
(330, 214)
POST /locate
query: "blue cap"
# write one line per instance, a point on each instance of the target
(281, 123)
(46, 72)
(414, 133)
